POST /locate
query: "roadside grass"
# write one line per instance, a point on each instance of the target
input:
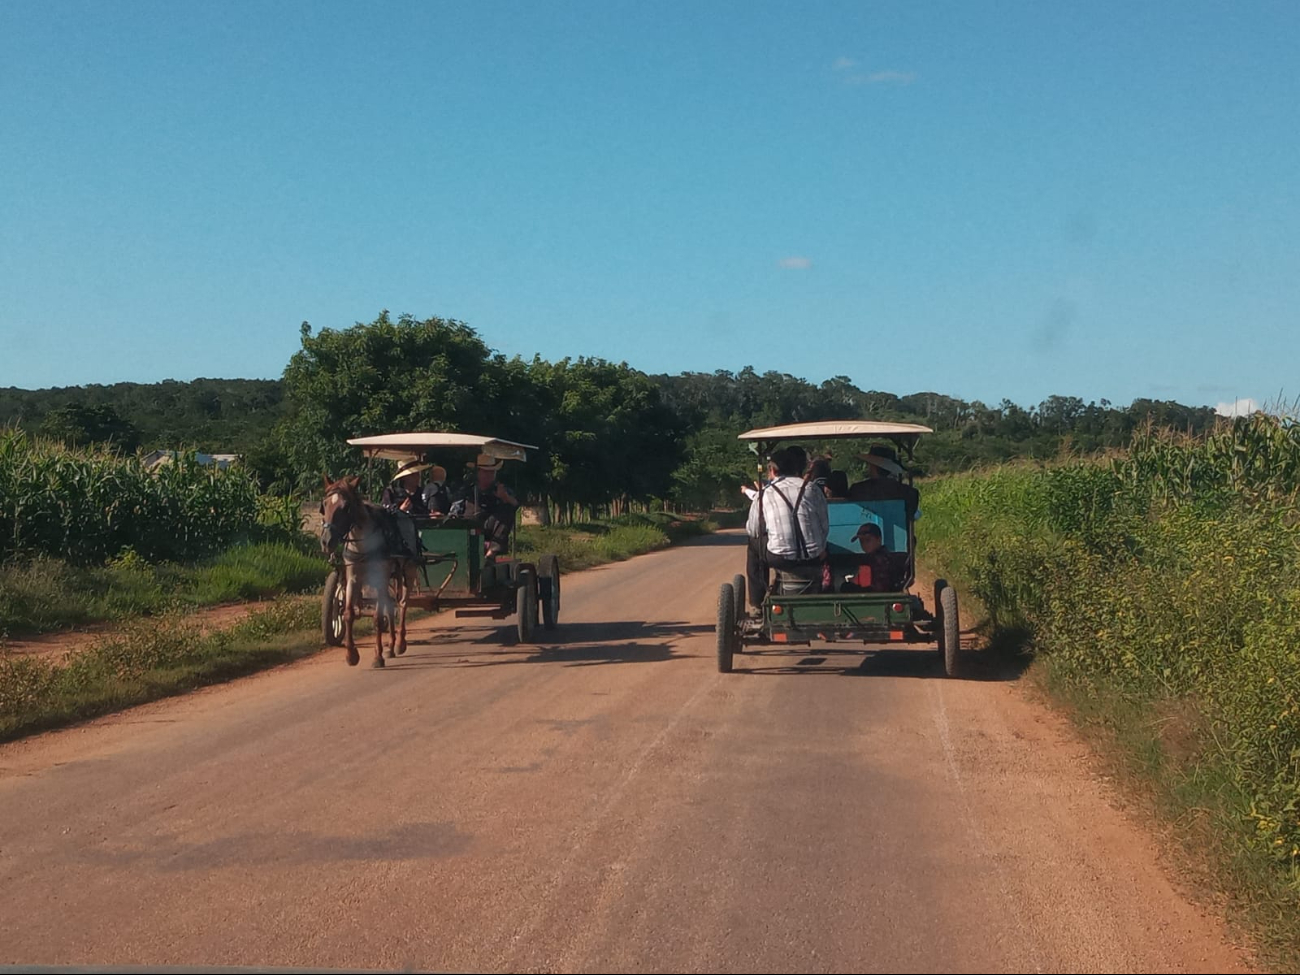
(587, 544)
(1162, 611)
(1162, 753)
(167, 653)
(149, 659)
(47, 594)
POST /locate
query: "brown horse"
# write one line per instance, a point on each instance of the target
(372, 556)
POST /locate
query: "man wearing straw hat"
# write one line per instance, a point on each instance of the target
(492, 503)
(403, 497)
(403, 491)
(885, 483)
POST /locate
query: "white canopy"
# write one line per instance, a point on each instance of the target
(836, 430)
(404, 446)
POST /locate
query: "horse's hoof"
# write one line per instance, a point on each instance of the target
(401, 649)
(379, 662)
(354, 658)
(389, 653)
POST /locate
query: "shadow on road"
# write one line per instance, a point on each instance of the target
(570, 644)
(988, 663)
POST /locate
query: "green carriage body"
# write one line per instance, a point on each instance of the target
(453, 571)
(790, 617)
(865, 617)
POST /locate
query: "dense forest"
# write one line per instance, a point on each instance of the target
(608, 431)
(213, 415)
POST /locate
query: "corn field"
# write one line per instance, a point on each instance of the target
(1167, 579)
(86, 506)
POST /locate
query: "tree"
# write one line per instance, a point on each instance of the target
(387, 376)
(77, 424)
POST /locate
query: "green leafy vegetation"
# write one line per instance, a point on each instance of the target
(86, 506)
(147, 659)
(610, 437)
(214, 415)
(45, 594)
(1161, 593)
(582, 545)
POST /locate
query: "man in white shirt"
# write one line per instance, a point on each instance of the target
(788, 524)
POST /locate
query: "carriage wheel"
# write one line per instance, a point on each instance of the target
(549, 590)
(331, 609)
(951, 639)
(526, 604)
(738, 586)
(726, 632)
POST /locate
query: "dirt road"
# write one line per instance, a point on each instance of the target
(610, 804)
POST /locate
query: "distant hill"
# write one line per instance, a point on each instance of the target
(213, 415)
(704, 411)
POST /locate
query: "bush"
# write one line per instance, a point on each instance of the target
(1165, 581)
(47, 594)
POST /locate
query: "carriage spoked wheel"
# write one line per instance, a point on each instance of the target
(548, 590)
(331, 609)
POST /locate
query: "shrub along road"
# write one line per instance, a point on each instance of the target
(606, 801)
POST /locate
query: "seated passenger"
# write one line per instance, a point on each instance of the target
(885, 483)
(837, 486)
(788, 525)
(491, 503)
(878, 571)
(437, 497)
(403, 497)
(403, 492)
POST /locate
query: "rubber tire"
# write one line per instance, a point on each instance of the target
(952, 655)
(738, 584)
(726, 632)
(331, 613)
(939, 586)
(549, 569)
(526, 605)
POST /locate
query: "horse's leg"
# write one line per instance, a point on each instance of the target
(381, 610)
(389, 619)
(403, 593)
(349, 601)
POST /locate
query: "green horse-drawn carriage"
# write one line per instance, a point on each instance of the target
(795, 613)
(453, 569)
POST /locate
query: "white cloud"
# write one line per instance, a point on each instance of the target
(843, 64)
(884, 78)
(795, 263)
(1242, 406)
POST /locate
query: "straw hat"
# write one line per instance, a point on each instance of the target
(883, 458)
(488, 462)
(410, 467)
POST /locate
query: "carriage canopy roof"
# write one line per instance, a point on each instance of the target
(413, 446)
(837, 430)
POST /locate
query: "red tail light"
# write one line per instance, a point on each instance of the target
(898, 607)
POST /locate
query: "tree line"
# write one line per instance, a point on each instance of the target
(609, 434)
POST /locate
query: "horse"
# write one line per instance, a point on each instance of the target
(372, 556)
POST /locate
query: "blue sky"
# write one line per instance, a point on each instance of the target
(983, 199)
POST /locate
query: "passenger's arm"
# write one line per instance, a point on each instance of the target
(751, 523)
(821, 518)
